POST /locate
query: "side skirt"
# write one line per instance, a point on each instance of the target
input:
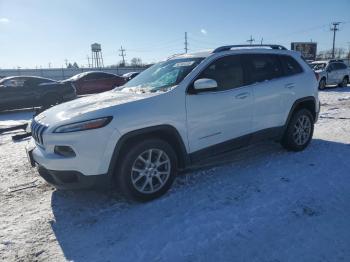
(274, 133)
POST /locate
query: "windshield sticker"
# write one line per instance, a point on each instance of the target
(188, 63)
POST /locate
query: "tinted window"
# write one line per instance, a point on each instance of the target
(97, 76)
(290, 65)
(14, 82)
(263, 67)
(331, 67)
(343, 66)
(227, 72)
(38, 81)
(340, 66)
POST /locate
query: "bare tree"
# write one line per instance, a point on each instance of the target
(136, 61)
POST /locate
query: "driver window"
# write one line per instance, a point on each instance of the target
(330, 67)
(14, 83)
(226, 71)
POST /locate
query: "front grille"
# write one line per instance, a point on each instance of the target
(38, 130)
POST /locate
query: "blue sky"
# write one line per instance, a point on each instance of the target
(37, 32)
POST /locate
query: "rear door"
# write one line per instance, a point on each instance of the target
(342, 71)
(272, 92)
(332, 74)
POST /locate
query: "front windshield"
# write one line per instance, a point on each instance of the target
(161, 76)
(318, 66)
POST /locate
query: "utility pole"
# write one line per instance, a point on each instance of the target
(334, 29)
(66, 62)
(261, 41)
(251, 40)
(122, 54)
(88, 58)
(186, 43)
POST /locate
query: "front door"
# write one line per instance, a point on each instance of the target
(223, 114)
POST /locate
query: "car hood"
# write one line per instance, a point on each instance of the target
(84, 105)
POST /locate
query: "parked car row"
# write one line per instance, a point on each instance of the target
(331, 72)
(32, 91)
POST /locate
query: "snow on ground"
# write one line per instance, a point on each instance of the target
(259, 204)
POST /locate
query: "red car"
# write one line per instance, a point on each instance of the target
(95, 82)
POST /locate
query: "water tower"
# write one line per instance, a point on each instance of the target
(96, 52)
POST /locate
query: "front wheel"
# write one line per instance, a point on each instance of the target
(322, 84)
(147, 170)
(299, 131)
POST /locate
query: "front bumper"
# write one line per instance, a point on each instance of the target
(73, 179)
(88, 167)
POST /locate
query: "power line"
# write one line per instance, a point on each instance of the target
(251, 40)
(334, 29)
(122, 54)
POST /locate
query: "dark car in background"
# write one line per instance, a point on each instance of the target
(30, 91)
(95, 82)
(130, 75)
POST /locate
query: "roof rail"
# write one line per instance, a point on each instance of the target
(229, 47)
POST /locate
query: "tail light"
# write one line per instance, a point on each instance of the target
(317, 76)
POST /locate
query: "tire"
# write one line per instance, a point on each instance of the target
(345, 82)
(299, 131)
(322, 84)
(51, 100)
(136, 176)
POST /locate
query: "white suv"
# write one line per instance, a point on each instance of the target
(174, 114)
(332, 72)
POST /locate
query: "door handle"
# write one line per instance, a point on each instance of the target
(242, 95)
(290, 85)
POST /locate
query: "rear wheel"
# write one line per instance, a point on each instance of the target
(147, 170)
(322, 84)
(299, 131)
(345, 82)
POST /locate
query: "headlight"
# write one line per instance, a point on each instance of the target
(84, 125)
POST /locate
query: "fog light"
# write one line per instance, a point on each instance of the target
(65, 151)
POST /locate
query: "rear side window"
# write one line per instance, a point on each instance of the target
(340, 66)
(263, 67)
(227, 72)
(290, 65)
(98, 76)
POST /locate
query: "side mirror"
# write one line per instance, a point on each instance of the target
(205, 84)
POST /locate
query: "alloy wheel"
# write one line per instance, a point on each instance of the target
(150, 171)
(302, 130)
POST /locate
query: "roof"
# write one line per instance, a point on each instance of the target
(234, 49)
(36, 77)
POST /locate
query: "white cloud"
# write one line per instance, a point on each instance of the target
(4, 20)
(204, 32)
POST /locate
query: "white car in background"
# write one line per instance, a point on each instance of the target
(174, 114)
(332, 72)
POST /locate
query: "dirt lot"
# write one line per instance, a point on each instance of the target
(259, 204)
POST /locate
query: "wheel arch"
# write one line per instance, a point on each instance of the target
(167, 133)
(308, 102)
